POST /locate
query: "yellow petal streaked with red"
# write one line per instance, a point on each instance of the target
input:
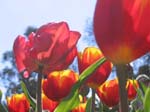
(59, 83)
(18, 103)
(88, 57)
(108, 92)
(132, 86)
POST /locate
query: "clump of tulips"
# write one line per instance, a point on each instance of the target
(122, 32)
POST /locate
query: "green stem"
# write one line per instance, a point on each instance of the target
(93, 100)
(39, 90)
(122, 74)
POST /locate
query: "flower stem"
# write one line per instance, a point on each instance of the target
(93, 100)
(39, 91)
(122, 74)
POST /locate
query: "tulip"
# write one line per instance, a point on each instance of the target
(122, 29)
(132, 86)
(18, 103)
(88, 57)
(59, 83)
(48, 104)
(108, 92)
(52, 47)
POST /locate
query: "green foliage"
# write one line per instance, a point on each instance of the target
(30, 99)
(0, 95)
(2, 107)
(68, 103)
(147, 101)
(89, 105)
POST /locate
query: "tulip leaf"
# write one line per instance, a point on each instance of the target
(147, 101)
(0, 95)
(68, 103)
(72, 99)
(89, 105)
(3, 108)
(30, 99)
(143, 87)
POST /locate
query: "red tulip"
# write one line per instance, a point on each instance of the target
(122, 29)
(88, 57)
(59, 83)
(18, 103)
(48, 104)
(109, 91)
(132, 86)
(53, 47)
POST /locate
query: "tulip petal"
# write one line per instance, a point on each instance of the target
(19, 46)
(122, 26)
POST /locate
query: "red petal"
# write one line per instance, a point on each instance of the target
(18, 48)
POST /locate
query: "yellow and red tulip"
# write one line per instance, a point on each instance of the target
(59, 83)
(53, 47)
(18, 103)
(122, 29)
(132, 86)
(109, 91)
(88, 57)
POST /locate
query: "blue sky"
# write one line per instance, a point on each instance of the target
(17, 15)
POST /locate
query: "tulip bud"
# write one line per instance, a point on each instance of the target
(132, 86)
(88, 57)
(109, 91)
(59, 83)
(18, 103)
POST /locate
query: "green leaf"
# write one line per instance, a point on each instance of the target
(3, 108)
(89, 105)
(147, 101)
(72, 100)
(30, 99)
(0, 95)
(100, 107)
(68, 103)
(143, 87)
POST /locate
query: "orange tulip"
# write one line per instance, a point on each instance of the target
(18, 103)
(53, 47)
(109, 91)
(122, 29)
(59, 83)
(48, 104)
(88, 57)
